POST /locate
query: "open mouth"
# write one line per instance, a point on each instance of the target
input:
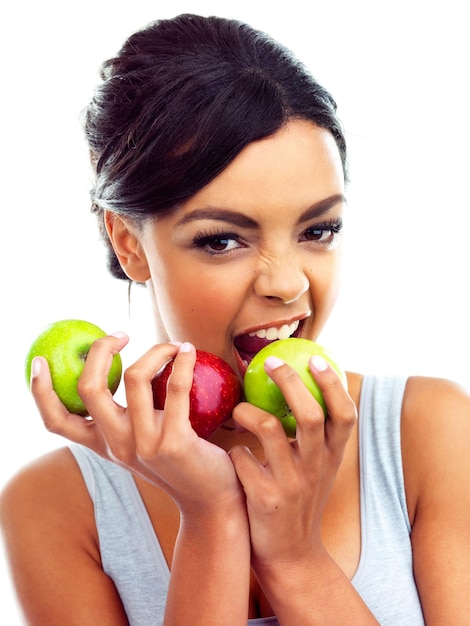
(250, 344)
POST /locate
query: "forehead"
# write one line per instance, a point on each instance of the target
(299, 164)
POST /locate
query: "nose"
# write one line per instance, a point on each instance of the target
(281, 278)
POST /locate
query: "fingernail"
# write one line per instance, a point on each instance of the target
(319, 363)
(273, 362)
(175, 343)
(119, 334)
(35, 367)
(186, 347)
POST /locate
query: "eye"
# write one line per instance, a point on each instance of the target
(217, 243)
(325, 234)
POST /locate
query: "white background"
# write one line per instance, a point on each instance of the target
(399, 71)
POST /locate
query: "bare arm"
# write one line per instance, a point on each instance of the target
(286, 499)
(48, 528)
(211, 560)
(436, 444)
(162, 448)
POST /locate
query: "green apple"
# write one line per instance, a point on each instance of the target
(263, 392)
(65, 345)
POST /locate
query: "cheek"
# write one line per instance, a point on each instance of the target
(325, 281)
(194, 307)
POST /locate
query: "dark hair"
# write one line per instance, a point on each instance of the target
(180, 100)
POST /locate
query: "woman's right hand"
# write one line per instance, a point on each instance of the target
(159, 445)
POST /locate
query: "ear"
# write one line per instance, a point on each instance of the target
(127, 247)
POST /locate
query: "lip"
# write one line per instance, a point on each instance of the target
(275, 324)
(243, 355)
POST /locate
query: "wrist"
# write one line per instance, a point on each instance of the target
(227, 515)
(286, 574)
(312, 590)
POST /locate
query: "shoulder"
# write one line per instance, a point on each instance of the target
(435, 438)
(50, 536)
(54, 472)
(435, 413)
(46, 495)
(428, 395)
(436, 466)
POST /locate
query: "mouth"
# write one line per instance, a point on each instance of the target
(251, 343)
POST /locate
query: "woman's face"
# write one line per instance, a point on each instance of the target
(254, 255)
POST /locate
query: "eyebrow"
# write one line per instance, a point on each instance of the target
(239, 219)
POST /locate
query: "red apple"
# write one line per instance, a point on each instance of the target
(215, 392)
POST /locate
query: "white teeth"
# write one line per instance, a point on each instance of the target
(273, 333)
(286, 331)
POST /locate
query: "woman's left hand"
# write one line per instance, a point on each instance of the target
(287, 492)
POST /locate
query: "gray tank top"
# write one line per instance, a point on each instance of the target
(132, 556)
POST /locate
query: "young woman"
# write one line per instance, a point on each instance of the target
(220, 184)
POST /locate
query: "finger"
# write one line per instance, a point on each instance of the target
(153, 430)
(270, 433)
(94, 377)
(177, 403)
(249, 470)
(57, 419)
(342, 412)
(93, 382)
(109, 417)
(146, 421)
(309, 415)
